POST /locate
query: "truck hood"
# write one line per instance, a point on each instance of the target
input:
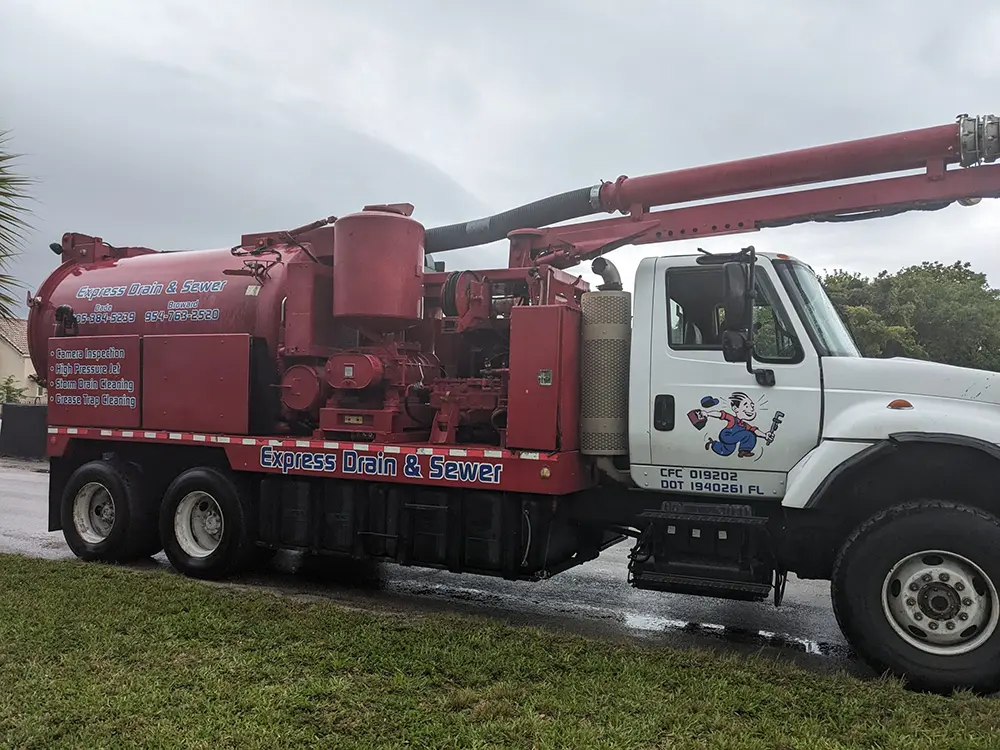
(902, 377)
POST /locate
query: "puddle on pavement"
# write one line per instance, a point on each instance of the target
(650, 624)
(372, 577)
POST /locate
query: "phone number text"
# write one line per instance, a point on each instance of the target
(181, 316)
(97, 318)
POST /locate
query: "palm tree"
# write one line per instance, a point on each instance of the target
(12, 226)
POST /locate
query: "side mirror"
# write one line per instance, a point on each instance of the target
(734, 296)
(735, 347)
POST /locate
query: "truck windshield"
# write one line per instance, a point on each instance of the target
(817, 312)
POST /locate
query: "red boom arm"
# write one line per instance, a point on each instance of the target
(968, 143)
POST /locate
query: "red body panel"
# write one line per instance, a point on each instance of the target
(308, 297)
(467, 468)
(95, 381)
(544, 391)
(569, 382)
(196, 382)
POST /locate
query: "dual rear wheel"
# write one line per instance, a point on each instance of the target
(208, 526)
(202, 522)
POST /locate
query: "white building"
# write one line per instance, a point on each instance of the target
(14, 359)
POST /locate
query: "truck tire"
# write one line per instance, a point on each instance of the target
(914, 590)
(106, 516)
(207, 526)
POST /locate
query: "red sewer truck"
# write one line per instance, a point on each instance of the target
(334, 389)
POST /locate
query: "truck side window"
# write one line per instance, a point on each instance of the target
(692, 296)
(773, 341)
(695, 315)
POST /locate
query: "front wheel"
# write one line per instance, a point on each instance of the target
(915, 590)
(207, 525)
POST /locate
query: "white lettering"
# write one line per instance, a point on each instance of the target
(198, 287)
(464, 471)
(112, 352)
(81, 369)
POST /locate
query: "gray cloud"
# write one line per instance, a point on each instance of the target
(184, 124)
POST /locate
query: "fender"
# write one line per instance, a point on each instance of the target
(810, 479)
(948, 438)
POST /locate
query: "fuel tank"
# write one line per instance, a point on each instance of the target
(197, 291)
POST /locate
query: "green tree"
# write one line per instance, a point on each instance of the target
(10, 393)
(946, 313)
(13, 223)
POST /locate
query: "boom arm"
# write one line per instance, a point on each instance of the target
(969, 142)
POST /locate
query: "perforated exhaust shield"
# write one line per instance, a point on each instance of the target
(604, 378)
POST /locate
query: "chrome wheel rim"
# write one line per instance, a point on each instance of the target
(93, 512)
(940, 603)
(198, 524)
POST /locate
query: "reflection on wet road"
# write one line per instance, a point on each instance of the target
(593, 599)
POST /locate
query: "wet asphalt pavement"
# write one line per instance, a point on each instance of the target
(593, 599)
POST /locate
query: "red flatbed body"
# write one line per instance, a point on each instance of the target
(469, 467)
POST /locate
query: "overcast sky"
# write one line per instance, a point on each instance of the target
(184, 123)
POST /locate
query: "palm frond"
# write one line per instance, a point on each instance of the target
(13, 224)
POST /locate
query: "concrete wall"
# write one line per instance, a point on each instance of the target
(23, 430)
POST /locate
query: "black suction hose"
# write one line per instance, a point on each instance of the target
(551, 210)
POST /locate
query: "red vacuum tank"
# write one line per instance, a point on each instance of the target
(199, 291)
(378, 267)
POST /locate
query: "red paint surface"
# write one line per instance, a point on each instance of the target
(301, 388)
(543, 395)
(569, 381)
(90, 371)
(521, 471)
(257, 312)
(308, 296)
(354, 370)
(378, 260)
(196, 382)
(837, 161)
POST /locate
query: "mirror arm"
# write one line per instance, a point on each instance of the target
(751, 297)
(764, 376)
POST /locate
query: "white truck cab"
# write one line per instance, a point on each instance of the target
(699, 424)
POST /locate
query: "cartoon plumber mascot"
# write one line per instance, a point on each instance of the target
(738, 435)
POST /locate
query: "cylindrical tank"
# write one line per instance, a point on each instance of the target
(301, 388)
(354, 370)
(378, 266)
(606, 334)
(161, 293)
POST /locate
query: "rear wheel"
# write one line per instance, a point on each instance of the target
(915, 590)
(105, 514)
(207, 525)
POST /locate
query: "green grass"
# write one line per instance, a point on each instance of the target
(94, 656)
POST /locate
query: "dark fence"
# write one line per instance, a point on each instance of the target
(23, 431)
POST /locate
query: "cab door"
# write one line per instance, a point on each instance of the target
(715, 430)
